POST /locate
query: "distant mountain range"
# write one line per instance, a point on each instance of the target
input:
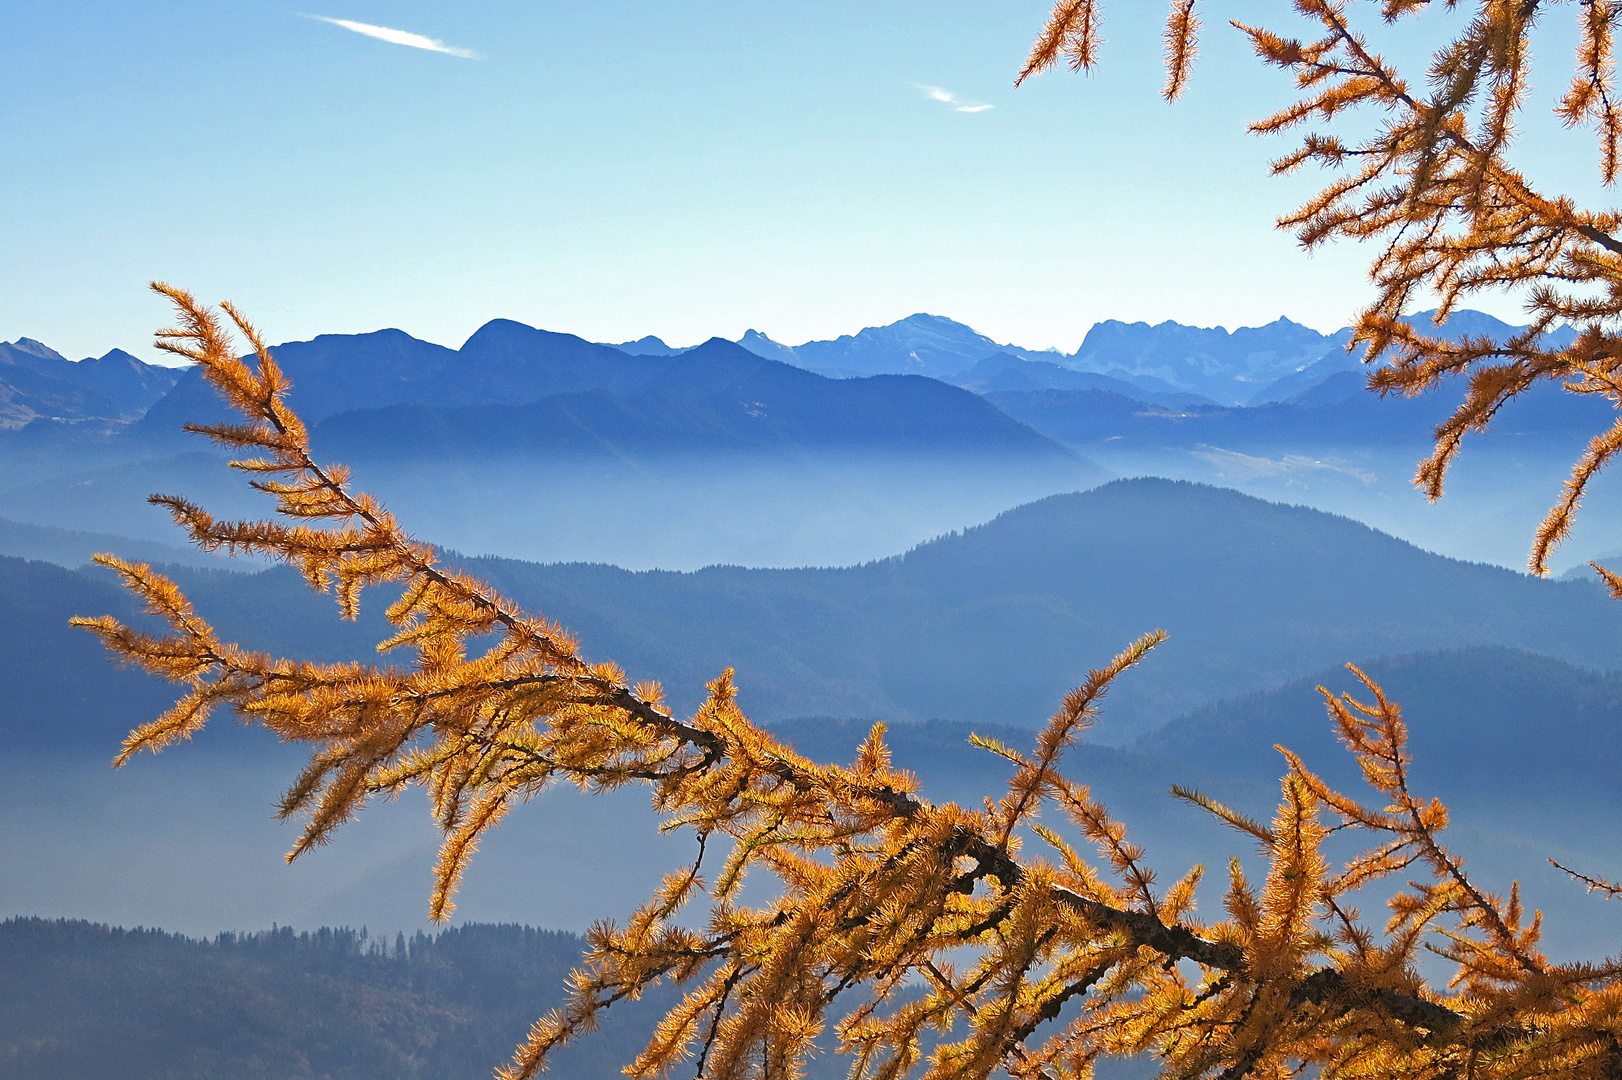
(39, 383)
(1169, 366)
(514, 391)
(899, 458)
(1209, 363)
(1168, 363)
(1230, 368)
(715, 399)
(917, 345)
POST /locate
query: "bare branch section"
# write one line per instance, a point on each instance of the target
(1436, 191)
(929, 919)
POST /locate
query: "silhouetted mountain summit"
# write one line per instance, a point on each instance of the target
(648, 346)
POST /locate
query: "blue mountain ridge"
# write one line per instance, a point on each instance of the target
(516, 391)
(37, 382)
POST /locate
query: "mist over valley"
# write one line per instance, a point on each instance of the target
(913, 524)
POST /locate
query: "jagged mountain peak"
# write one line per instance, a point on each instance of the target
(37, 348)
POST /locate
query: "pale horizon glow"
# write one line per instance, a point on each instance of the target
(398, 37)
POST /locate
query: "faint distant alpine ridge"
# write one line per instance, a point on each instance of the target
(1007, 373)
(1229, 367)
(1346, 367)
(1162, 363)
(917, 345)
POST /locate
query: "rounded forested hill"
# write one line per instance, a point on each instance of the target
(993, 624)
(990, 625)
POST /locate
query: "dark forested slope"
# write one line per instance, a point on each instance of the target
(1488, 726)
(81, 1000)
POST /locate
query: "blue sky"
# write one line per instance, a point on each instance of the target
(622, 168)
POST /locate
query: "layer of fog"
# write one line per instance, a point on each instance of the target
(695, 512)
(682, 515)
(188, 842)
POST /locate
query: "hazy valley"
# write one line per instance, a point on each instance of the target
(912, 524)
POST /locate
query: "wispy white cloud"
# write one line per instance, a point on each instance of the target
(398, 37)
(946, 97)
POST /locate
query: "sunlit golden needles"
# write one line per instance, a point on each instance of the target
(919, 937)
(1437, 191)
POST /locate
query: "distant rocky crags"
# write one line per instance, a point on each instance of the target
(1230, 368)
(1168, 363)
(1197, 364)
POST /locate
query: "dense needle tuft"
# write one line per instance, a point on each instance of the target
(920, 938)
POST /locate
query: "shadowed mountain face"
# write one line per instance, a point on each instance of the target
(38, 383)
(514, 391)
(1337, 412)
(504, 362)
(1476, 718)
(715, 399)
(1523, 750)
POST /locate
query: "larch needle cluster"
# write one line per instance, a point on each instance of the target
(1025, 936)
(1034, 962)
(1431, 180)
